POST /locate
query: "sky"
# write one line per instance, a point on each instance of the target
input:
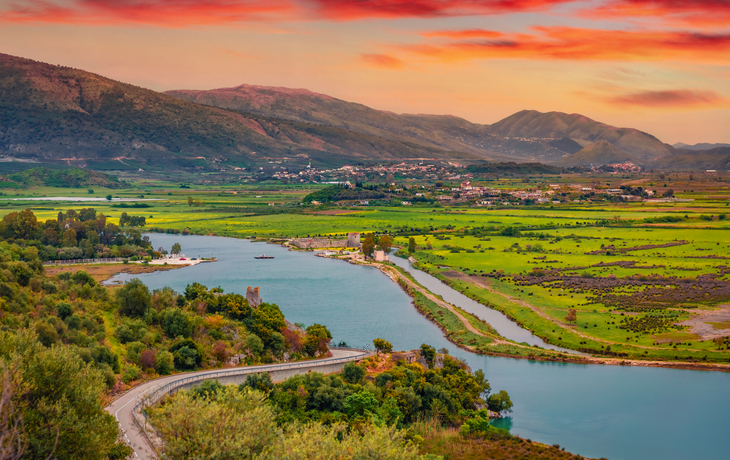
(662, 66)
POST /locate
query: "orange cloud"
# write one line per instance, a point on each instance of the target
(382, 60)
(181, 13)
(365, 9)
(686, 12)
(165, 13)
(570, 43)
(461, 34)
(671, 98)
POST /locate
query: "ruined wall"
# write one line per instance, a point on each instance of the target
(315, 243)
(253, 297)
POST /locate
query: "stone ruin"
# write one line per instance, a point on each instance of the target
(253, 296)
(352, 241)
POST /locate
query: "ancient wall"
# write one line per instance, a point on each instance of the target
(253, 297)
(316, 243)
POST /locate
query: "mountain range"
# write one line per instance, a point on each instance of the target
(58, 114)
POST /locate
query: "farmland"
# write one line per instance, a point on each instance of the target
(643, 280)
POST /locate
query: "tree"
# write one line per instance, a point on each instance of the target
(233, 424)
(186, 354)
(411, 245)
(499, 402)
(254, 345)
(383, 346)
(385, 243)
(669, 193)
(176, 249)
(572, 315)
(429, 353)
(109, 197)
(190, 201)
(368, 244)
(353, 373)
(134, 298)
(164, 362)
(59, 399)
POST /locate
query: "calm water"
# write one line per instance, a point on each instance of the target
(596, 411)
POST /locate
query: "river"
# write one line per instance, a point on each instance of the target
(592, 410)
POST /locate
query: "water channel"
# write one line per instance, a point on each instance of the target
(597, 411)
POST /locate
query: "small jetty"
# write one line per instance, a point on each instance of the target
(263, 256)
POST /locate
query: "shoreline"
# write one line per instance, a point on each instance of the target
(558, 356)
(104, 272)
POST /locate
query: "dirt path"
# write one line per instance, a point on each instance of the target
(395, 275)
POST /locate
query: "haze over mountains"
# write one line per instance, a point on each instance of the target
(58, 114)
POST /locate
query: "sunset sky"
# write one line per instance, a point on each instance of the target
(662, 66)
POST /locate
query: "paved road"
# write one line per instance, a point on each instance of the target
(122, 407)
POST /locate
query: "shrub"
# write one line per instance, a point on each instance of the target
(353, 373)
(164, 362)
(147, 360)
(134, 298)
(64, 309)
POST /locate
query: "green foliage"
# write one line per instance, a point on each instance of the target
(261, 382)
(228, 425)
(479, 425)
(70, 178)
(59, 396)
(368, 244)
(429, 353)
(176, 323)
(383, 345)
(187, 355)
(385, 243)
(411, 245)
(64, 309)
(164, 362)
(500, 402)
(254, 344)
(207, 389)
(353, 373)
(134, 298)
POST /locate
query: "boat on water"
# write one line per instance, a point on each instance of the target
(263, 256)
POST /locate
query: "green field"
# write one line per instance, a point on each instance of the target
(573, 242)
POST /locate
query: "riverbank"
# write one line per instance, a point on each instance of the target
(516, 350)
(103, 272)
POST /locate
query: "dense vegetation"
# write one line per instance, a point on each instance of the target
(377, 407)
(66, 178)
(66, 342)
(74, 235)
(341, 193)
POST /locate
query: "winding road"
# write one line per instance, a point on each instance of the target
(123, 406)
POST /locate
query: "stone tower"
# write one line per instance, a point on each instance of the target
(353, 240)
(253, 297)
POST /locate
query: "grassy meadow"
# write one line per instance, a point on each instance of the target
(526, 274)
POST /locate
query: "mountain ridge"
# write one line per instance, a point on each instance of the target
(53, 113)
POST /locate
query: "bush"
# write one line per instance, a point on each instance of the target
(383, 346)
(164, 362)
(353, 373)
(261, 382)
(134, 298)
(147, 359)
(64, 310)
(176, 323)
(187, 354)
(131, 373)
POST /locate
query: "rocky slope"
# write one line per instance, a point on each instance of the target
(53, 113)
